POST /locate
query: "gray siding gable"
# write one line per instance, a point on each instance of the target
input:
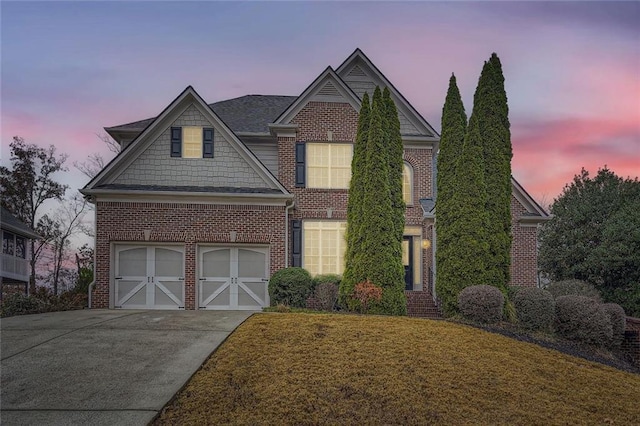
(155, 167)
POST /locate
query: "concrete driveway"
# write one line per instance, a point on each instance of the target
(103, 367)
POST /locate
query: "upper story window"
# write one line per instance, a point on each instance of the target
(407, 184)
(13, 245)
(328, 165)
(192, 142)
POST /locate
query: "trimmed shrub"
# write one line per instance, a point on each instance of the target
(326, 278)
(573, 288)
(291, 287)
(618, 320)
(21, 304)
(583, 319)
(535, 308)
(326, 296)
(481, 303)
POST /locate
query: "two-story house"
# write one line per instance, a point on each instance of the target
(14, 260)
(206, 201)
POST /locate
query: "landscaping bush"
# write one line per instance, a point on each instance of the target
(573, 288)
(535, 308)
(583, 319)
(481, 303)
(291, 287)
(367, 294)
(618, 320)
(326, 295)
(21, 304)
(326, 278)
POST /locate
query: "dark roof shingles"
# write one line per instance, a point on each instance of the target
(250, 113)
(208, 189)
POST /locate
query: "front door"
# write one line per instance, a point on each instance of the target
(407, 262)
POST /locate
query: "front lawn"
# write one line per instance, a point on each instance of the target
(349, 369)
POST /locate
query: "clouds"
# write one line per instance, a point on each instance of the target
(572, 69)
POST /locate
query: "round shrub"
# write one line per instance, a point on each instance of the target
(583, 319)
(573, 288)
(291, 287)
(618, 320)
(481, 303)
(535, 308)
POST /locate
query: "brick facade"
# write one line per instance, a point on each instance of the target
(524, 252)
(188, 225)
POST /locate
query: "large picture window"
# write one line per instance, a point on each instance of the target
(324, 246)
(329, 165)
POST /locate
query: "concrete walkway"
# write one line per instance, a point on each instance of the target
(103, 367)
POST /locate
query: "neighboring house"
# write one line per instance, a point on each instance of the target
(14, 261)
(205, 202)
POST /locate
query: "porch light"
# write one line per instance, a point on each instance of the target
(426, 244)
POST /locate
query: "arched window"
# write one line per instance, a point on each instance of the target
(407, 183)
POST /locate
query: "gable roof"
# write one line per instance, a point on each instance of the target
(533, 208)
(245, 114)
(11, 223)
(104, 181)
(327, 86)
(358, 58)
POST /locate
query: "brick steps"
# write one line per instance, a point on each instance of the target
(420, 304)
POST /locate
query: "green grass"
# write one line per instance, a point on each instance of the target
(304, 369)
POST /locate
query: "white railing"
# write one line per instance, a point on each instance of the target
(14, 267)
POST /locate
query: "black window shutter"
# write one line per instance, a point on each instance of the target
(176, 141)
(296, 243)
(207, 142)
(300, 166)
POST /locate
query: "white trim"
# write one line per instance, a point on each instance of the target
(527, 201)
(360, 59)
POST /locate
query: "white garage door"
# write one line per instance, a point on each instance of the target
(233, 277)
(149, 277)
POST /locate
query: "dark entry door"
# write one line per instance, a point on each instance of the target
(407, 261)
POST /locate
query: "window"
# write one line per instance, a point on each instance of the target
(324, 246)
(8, 243)
(329, 165)
(192, 142)
(20, 247)
(407, 184)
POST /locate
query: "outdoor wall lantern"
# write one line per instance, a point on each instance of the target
(426, 244)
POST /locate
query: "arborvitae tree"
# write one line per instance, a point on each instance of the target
(454, 125)
(396, 165)
(490, 105)
(468, 222)
(378, 255)
(353, 272)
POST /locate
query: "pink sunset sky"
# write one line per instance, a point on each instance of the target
(572, 69)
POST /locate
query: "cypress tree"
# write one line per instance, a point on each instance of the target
(353, 272)
(378, 255)
(395, 155)
(490, 105)
(454, 124)
(468, 225)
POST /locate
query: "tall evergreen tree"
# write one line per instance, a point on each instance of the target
(468, 222)
(378, 256)
(454, 124)
(395, 155)
(353, 272)
(490, 105)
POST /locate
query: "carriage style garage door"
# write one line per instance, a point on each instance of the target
(149, 277)
(233, 277)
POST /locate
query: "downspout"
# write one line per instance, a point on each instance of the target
(286, 232)
(95, 247)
